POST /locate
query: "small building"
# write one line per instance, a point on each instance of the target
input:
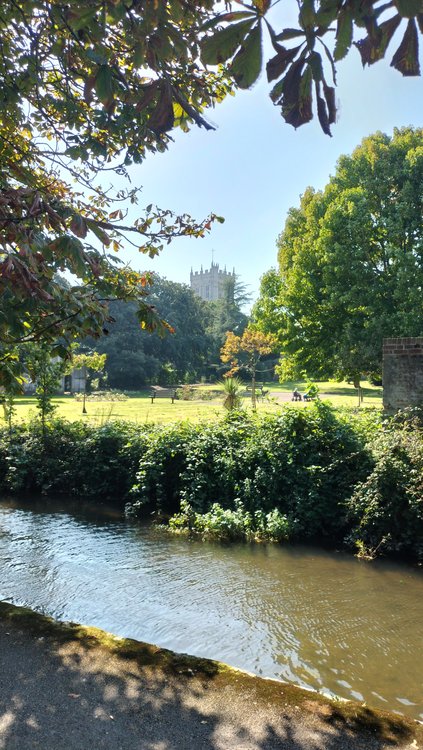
(210, 284)
(74, 382)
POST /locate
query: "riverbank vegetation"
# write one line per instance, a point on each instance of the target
(334, 477)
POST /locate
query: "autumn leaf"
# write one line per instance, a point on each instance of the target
(406, 58)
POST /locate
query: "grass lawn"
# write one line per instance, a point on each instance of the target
(138, 408)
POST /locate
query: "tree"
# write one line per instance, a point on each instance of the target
(91, 88)
(266, 314)
(135, 358)
(45, 372)
(88, 361)
(224, 315)
(246, 350)
(351, 260)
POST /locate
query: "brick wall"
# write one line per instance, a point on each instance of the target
(402, 373)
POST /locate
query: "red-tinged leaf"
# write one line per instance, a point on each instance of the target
(279, 63)
(88, 89)
(36, 205)
(262, 6)
(406, 58)
(149, 93)
(297, 97)
(99, 232)
(224, 43)
(374, 46)
(322, 112)
(78, 226)
(247, 64)
(162, 117)
(329, 92)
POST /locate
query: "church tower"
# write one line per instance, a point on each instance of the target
(210, 284)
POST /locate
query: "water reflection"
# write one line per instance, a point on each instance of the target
(324, 621)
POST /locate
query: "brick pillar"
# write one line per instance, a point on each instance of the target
(402, 373)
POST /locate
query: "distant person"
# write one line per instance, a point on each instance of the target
(296, 396)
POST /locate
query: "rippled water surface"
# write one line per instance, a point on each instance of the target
(321, 620)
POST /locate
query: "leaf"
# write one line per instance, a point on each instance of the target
(406, 58)
(409, 8)
(287, 34)
(139, 54)
(149, 93)
(307, 14)
(227, 17)
(162, 117)
(262, 6)
(344, 32)
(322, 112)
(224, 43)
(374, 46)
(78, 226)
(99, 232)
(279, 63)
(104, 85)
(329, 92)
(246, 66)
(297, 96)
(88, 89)
(315, 62)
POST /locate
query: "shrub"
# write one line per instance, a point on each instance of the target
(303, 464)
(386, 510)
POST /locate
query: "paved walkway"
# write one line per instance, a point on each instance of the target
(68, 694)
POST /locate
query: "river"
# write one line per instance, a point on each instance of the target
(321, 620)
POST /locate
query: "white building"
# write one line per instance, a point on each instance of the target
(210, 284)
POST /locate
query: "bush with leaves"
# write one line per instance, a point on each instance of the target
(304, 464)
(386, 510)
(72, 459)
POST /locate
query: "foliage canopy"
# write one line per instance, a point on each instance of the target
(89, 89)
(351, 262)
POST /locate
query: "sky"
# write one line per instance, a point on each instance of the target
(254, 167)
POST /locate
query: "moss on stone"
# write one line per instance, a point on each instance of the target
(352, 716)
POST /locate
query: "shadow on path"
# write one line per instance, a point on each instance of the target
(68, 696)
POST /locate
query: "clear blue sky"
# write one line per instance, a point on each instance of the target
(254, 167)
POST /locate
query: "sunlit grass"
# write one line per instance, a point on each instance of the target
(138, 408)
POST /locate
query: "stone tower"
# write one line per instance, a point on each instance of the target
(210, 284)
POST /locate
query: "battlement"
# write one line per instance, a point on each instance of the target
(209, 283)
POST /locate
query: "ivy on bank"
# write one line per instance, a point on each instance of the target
(303, 475)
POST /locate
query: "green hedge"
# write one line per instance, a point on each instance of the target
(310, 474)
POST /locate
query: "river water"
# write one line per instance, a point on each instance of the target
(321, 620)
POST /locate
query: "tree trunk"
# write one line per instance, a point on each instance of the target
(253, 389)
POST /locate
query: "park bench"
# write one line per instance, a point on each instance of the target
(260, 389)
(158, 392)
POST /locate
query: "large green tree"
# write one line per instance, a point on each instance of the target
(88, 88)
(135, 358)
(351, 260)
